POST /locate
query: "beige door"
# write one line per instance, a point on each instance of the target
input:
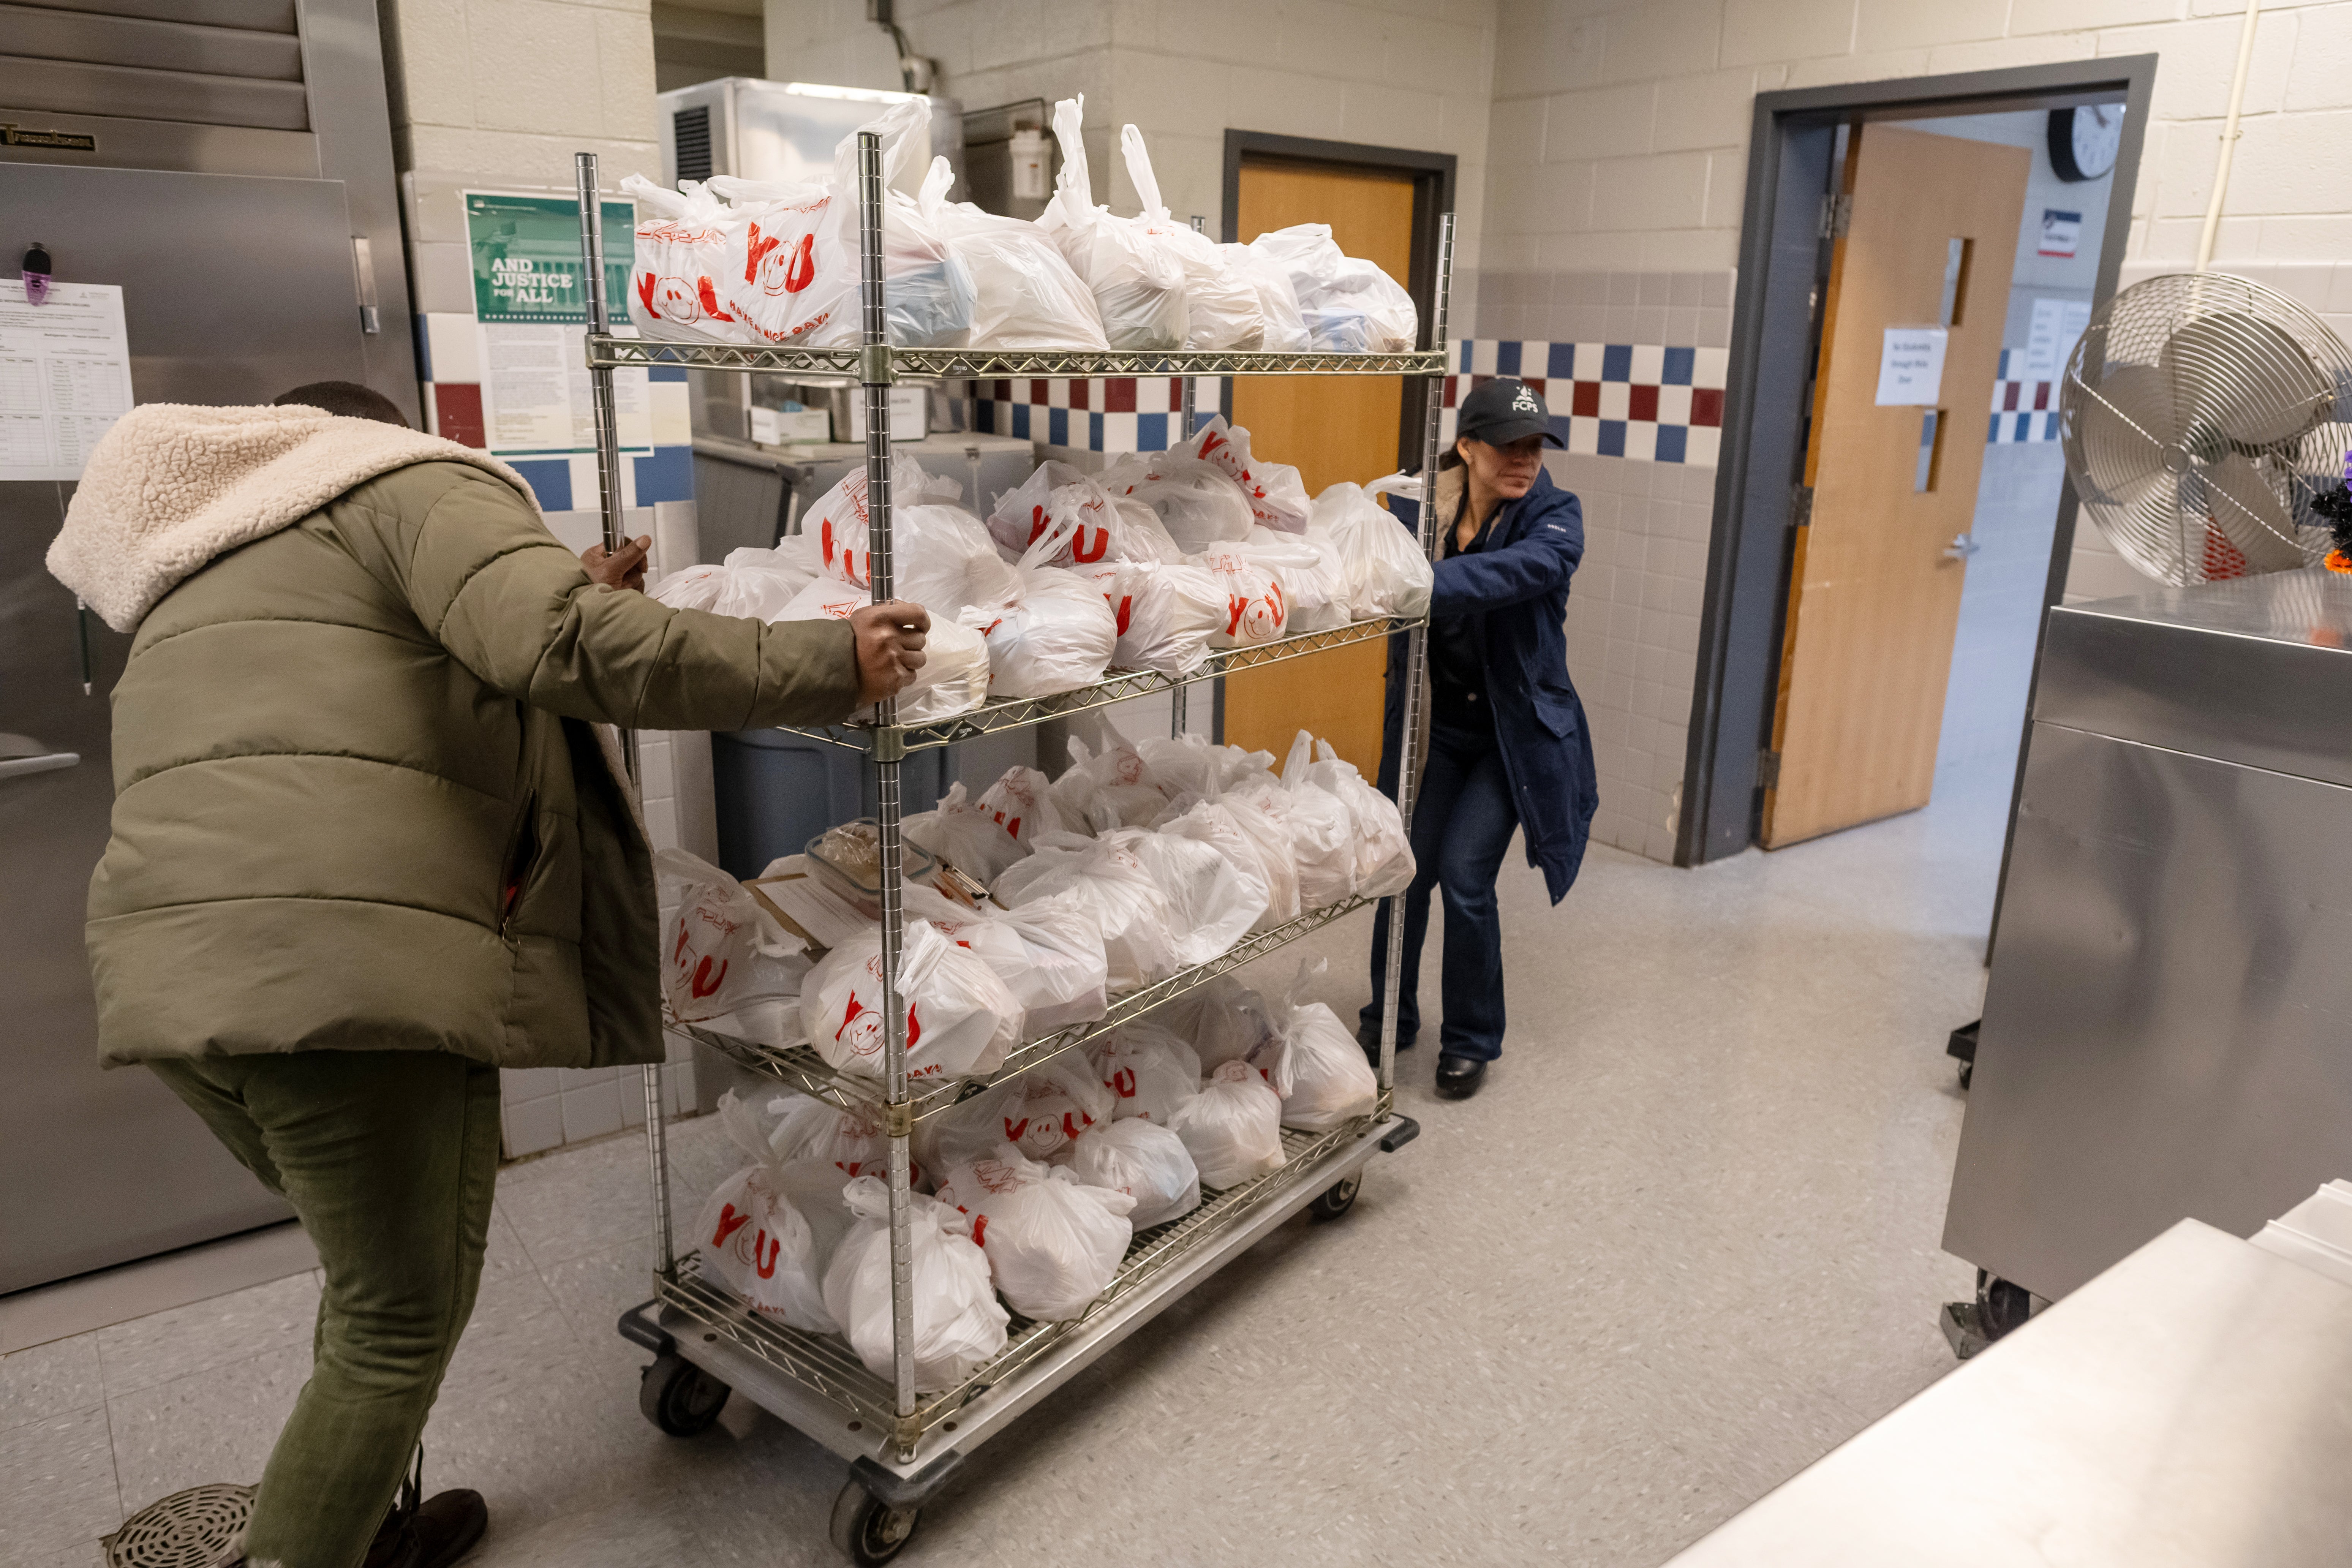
(1875, 591)
(1329, 428)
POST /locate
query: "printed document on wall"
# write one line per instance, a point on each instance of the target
(65, 376)
(2056, 326)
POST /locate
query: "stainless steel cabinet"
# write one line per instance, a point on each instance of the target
(2167, 1029)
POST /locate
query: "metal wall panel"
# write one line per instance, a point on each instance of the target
(178, 45)
(2167, 1029)
(69, 88)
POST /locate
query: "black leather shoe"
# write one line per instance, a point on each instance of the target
(433, 1533)
(1368, 1037)
(1458, 1078)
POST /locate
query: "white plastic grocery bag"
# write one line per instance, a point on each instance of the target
(1022, 802)
(1145, 1160)
(1384, 863)
(752, 582)
(1275, 491)
(1211, 823)
(959, 1017)
(1191, 764)
(1322, 832)
(1277, 301)
(770, 1228)
(1136, 275)
(1349, 306)
(1048, 953)
(1315, 1063)
(1221, 308)
(792, 253)
(964, 834)
(1054, 634)
(1026, 295)
(1099, 527)
(1149, 1070)
(1225, 1019)
(856, 1142)
(953, 680)
(1166, 613)
(1130, 907)
(676, 288)
(1053, 1241)
(1042, 1112)
(1212, 905)
(1097, 793)
(1314, 587)
(1198, 503)
(724, 951)
(959, 1322)
(1257, 605)
(1384, 567)
(1233, 1127)
(839, 522)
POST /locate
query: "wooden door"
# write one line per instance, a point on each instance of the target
(1874, 595)
(1330, 428)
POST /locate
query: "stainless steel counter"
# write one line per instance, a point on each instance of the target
(2167, 1027)
(2191, 1406)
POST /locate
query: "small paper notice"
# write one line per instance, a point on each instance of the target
(2056, 326)
(65, 376)
(1911, 365)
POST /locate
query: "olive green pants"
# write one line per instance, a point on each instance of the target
(389, 1159)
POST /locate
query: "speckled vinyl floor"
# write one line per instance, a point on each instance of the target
(1684, 1242)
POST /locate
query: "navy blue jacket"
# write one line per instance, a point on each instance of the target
(1516, 589)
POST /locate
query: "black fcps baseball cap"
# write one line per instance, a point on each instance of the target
(1503, 410)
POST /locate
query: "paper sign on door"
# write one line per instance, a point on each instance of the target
(1911, 365)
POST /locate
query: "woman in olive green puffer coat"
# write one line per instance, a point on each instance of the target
(369, 845)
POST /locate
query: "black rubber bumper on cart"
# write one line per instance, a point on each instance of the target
(1405, 1131)
(905, 1491)
(638, 1327)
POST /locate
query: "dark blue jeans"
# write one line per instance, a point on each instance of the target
(1463, 820)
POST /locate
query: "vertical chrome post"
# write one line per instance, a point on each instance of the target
(874, 375)
(599, 379)
(608, 498)
(1416, 655)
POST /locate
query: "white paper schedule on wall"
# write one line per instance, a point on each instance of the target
(1911, 367)
(65, 376)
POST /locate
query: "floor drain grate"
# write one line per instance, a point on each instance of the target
(193, 1529)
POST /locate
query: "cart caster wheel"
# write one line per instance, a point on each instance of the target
(2002, 1307)
(679, 1397)
(869, 1528)
(1337, 1199)
(1968, 1071)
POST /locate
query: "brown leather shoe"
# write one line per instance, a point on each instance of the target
(433, 1533)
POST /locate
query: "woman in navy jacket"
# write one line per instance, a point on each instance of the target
(1507, 745)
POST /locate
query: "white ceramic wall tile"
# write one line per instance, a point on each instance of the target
(534, 1126)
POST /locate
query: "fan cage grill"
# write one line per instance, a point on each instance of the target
(2200, 415)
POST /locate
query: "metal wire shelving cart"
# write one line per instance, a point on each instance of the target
(902, 1444)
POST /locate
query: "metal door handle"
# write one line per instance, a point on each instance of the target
(1962, 546)
(15, 767)
(23, 755)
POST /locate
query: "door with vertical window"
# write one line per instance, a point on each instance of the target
(1329, 428)
(1918, 288)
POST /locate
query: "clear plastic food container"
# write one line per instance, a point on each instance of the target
(848, 860)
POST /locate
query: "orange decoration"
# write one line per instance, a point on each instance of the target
(2338, 562)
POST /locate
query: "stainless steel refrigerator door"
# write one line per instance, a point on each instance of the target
(235, 289)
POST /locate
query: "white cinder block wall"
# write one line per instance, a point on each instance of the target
(1617, 158)
(501, 93)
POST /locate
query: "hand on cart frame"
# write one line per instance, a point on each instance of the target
(890, 638)
(626, 569)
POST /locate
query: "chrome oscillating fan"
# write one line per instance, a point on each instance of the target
(2202, 415)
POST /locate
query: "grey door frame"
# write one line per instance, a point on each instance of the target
(1764, 417)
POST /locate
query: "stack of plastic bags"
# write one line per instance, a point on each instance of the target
(743, 261)
(959, 1018)
(1046, 952)
(1042, 1113)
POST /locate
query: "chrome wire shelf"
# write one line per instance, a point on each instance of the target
(1013, 713)
(608, 351)
(799, 1068)
(826, 1366)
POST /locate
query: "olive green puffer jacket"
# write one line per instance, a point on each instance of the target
(360, 804)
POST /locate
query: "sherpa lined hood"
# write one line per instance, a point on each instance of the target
(175, 485)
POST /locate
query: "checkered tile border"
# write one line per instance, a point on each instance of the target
(1106, 413)
(2021, 410)
(1650, 402)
